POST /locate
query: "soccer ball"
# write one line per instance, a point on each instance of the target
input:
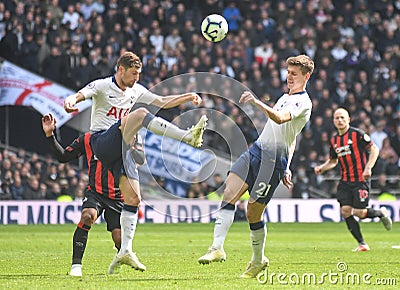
(214, 27)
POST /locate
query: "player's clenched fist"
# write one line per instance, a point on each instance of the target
(196, 99)
(247, 97)
(69, 104)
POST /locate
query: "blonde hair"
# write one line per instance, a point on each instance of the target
(129, 60)
(303, 61)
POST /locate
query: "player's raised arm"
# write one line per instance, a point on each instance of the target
(278, 117)
(172, 101)
(49, 125)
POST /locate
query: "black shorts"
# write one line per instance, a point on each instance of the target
(107, 145)
(111, 208)
(354, 194)
(114, 154)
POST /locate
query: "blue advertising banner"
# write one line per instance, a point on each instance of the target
(184, 211)
(172, 159)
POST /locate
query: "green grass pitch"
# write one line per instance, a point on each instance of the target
(39, 256)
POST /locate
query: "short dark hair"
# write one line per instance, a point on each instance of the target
(129, 60)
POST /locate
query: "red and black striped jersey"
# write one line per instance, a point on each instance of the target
(351, 150)
(101, 179)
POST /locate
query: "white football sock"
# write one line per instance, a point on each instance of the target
(222, 225)
(162, 127)
(128, 227)
(257, 239)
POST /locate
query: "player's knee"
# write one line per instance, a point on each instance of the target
(346, 211)
(88, 218)
(361, 213)
(131, 191)
(229, 195)
(140, 113)
(132, 199)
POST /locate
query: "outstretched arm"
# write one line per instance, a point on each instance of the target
(172, 101)
(49, 125)
(278, 117)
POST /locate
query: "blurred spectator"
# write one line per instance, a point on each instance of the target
(216, 189)
(172, 40)
(43, 51)
(86, 9)
(195, 190)
(9, 44)
(56, 12)
(378, 134)
(71, 17)
(5, 184)
(52, 174)
(43, 190)
(17, 189)
(390, 158)
(32, 190)
(263, 53)
(54, 66)
(5, 167)
(300, 184)
(83, 73)
(232, 16)
(54, 192)
(157, 40)
(268, 25)
(29, 53)
(79, 192)
(306, 142)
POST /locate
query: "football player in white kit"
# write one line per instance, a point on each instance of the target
(113, 125)
(260, 169)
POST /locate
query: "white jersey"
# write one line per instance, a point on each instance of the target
(110, 103)
(274, 135)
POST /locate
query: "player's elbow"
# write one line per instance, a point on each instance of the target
(279, 119)
(375, 149)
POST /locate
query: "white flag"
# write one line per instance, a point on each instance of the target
(19, 87)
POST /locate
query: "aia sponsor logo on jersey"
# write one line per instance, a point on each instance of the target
(118, 113)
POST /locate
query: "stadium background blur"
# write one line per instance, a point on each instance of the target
(355, 46)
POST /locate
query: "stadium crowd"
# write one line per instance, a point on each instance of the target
(355, 46)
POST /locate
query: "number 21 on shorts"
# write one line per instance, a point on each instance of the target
(263, 189)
